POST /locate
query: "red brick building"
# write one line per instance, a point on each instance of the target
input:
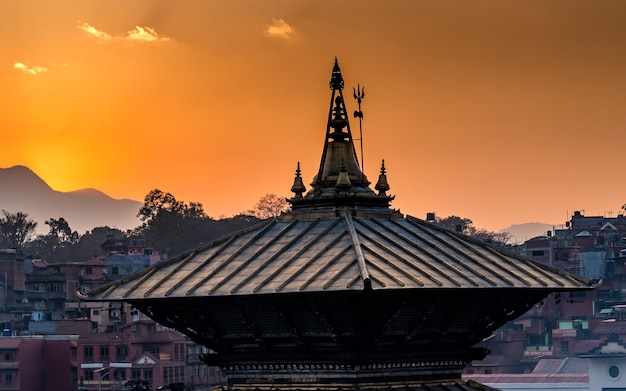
(38, 363)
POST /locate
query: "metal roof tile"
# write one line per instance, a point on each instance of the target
(340, 253)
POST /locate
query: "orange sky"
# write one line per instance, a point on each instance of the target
(503, 112)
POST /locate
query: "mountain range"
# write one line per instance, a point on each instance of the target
(522, 232)
(21, 190)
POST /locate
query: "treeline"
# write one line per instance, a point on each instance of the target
(169, 226)
(466, 227)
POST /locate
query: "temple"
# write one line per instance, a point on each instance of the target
(343, 291)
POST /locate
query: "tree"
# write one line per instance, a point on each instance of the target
(500, 239)
(169, 225)
(157, 201)
(457, 224)
(61, 229)
(15, 229)
(57, 245)
(270, 205)
(466, 227)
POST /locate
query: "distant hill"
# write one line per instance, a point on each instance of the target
(21, 190)
(522, 232)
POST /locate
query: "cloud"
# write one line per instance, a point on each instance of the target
(94, 32)
(33, 70)
(141, 34)
(144, 34)
(280, 29)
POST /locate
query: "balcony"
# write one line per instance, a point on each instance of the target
(44, 295)
(538, 351)
(58, 277)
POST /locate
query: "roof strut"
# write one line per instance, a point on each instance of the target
(367, 282)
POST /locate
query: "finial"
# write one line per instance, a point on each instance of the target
(382, 186)
(336, 80)
(343, 181)
(298, 187)
(339, 120)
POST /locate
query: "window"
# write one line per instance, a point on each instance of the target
(537, 253)
(88, 374)
(120, 352)
(179, 352)
(147, 374)
(564, 346)
(119, 374)
(96, 312)
(73, 351)
(88, 352)
(613, 371)
(88, 270)
(167, 375)
(104, 353)
(58, 288)
(7, 356)
(115, 270)
(8, 378)
(135, 374)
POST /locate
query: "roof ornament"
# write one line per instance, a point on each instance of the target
(359, 95)
(382, 185)
(298, 187)
(336, 80)
(339, 120)
(343, 181)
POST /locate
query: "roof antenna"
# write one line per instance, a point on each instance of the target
(359, 95)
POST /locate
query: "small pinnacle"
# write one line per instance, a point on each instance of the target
(298, 187)
(382, 185)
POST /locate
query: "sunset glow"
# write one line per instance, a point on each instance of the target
(503, 112)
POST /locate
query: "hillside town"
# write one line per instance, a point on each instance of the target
(52, 340)
(546, 344)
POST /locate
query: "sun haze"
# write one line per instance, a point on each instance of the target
(501, 112)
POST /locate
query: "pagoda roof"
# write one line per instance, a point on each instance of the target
(347, 252)
(339, 236)
(341, 281)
